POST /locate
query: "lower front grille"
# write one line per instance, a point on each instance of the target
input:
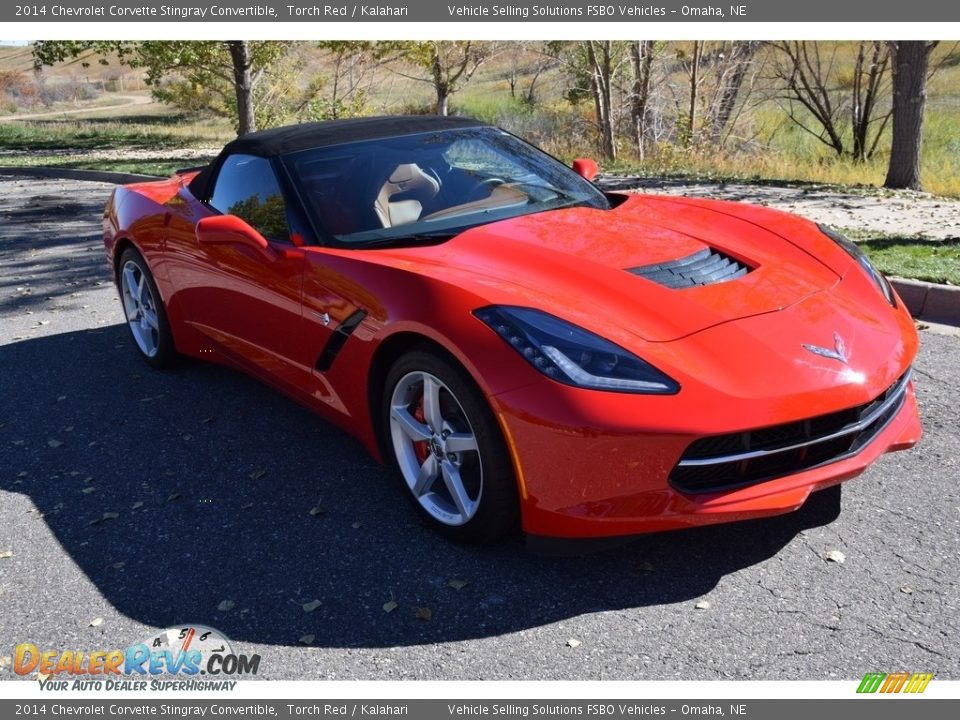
(725, 462)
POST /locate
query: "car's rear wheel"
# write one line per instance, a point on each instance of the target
(146, 316)
(448, 449)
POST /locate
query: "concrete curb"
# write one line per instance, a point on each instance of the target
(930, 301)
(117, 178)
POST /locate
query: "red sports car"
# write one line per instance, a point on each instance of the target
(527, 351)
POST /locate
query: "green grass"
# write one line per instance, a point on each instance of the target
(913, 256)
(158, 132)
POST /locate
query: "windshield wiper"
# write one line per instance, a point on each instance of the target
(411, 240)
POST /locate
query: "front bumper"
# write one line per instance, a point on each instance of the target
(582, 476)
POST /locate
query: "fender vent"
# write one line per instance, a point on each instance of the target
(706, 267)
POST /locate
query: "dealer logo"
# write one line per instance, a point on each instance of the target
(198, 657)
(895, 682)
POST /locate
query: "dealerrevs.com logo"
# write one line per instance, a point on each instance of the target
(900, 682)
(191, 657)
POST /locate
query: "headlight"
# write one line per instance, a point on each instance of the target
(854, 251)
(572, 355)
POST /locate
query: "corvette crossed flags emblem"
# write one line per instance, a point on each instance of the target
(839, 351)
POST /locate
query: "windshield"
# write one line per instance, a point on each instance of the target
(429, 186)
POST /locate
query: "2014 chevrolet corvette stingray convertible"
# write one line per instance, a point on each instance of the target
(527, 351)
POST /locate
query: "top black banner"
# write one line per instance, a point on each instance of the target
(478, 11)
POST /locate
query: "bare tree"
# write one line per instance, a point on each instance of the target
(735, 61)
(602, 65)
(868, 85)
(691, 125)
(811, 82)
(641, 58)
(910, 61)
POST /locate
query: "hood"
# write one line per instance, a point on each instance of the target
(612, 271)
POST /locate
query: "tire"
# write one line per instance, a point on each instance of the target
(143, 308)
(445, 443)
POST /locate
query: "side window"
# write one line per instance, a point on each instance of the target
(246, 187)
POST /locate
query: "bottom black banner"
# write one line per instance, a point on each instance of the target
(876, 708)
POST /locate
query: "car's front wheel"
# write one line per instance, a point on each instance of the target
(449, 449)
(146, 316)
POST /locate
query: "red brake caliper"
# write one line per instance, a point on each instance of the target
(421, 448)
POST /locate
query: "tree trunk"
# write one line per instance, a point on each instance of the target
(243, 86)
(909, 96)
(440, 84)
(641, 55)
(601, 80)
(694, 84)
(443, 101)
(731, 80)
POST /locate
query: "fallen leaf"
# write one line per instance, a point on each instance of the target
(137, 505)
(307, 639)
(356, 525)
(110, 515)
(204, 422)
(6, 554)
(246, 506)
(22, 473)
(317, 510)
(96, 622)
(703, 605)
(226, 606)
(389, 607)
(54, 443)
(172, 497)
(257, 474)
(573, 642)
(119, 565)
(834, 556)
(89, 489)
(423, 613)
(311, 606)
(457, 584)
(906, 589)
(5, 662)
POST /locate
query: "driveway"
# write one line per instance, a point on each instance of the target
(132, 500)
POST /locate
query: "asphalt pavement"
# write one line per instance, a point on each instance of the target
(133, 500)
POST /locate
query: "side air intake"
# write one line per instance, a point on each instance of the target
(706, 267)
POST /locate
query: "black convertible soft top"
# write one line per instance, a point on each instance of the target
(292, 138)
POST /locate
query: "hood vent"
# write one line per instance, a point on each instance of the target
(706, 267)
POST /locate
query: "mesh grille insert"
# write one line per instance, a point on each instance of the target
(724, 462)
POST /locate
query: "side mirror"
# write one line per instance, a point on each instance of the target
(231, 230)
(586, 168)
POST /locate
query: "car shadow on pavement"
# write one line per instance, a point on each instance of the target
(174, 492)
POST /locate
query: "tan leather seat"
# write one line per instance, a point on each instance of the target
(415, 185)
